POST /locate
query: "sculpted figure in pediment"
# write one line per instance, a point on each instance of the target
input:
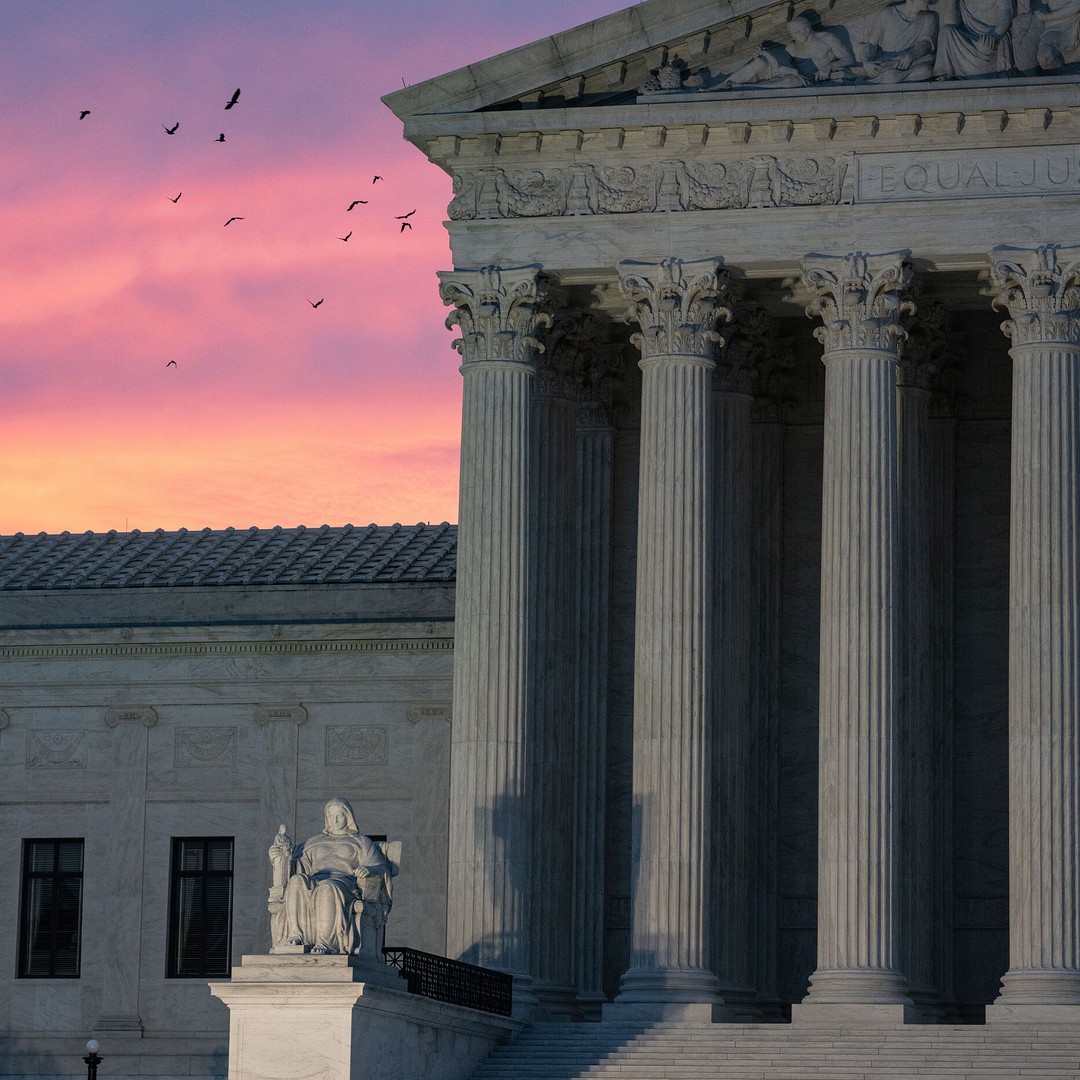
(974, 39)
(1060, 41)
(896, 44)
(814, 56)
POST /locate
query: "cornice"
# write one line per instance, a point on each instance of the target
(199, 650)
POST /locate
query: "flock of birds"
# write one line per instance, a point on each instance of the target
(403, 218)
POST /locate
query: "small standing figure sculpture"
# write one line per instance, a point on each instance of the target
(332, 893)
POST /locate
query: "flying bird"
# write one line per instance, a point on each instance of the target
(357, 202)
(220, 138)
(233, 100)
(171, 363)
(171, 130)
(405, 217)
(374, 178)
(316, 303)
(177, 199)
(405, 225)
(232, 219)
(84, 113)
(346, 236)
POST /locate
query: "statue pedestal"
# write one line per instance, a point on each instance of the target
(335, 1018)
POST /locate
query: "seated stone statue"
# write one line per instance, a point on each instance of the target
(813, 56)
(332, 893)
(896, 44)
(973, 38)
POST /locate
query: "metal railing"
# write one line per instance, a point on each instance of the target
(453, 981)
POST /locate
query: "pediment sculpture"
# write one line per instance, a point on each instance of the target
(907, 41)
(332, 894)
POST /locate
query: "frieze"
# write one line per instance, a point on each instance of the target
(583, 189)
(205, 746)
(357, 745)
(55, 750)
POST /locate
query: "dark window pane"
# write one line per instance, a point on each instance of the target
(200, 918)
(51, 909)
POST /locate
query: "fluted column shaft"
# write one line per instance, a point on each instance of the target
(489, 896)
(677, 312)
(553, 514)
(858, 298)
(1041, 289)
(915, 719)
(733, 822)
(595, 463)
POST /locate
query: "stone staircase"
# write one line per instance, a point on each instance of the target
(806, 1051)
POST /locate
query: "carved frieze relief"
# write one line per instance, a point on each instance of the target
(583, 189)
(56, 750)
(346, 745)
(205, 746)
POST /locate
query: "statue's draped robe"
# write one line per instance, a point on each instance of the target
(326, 874)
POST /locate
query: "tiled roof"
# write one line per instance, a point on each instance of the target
(277, 556)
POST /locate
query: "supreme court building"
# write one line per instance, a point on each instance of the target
(766, 639)
(762, 612)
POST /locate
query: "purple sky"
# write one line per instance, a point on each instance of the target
(274, 412)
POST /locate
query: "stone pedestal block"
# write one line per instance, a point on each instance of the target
(328, 1018)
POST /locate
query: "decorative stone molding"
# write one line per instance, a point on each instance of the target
(677, 313)
(429, 710)
(297, 714)
(499, 312)
(55, 750)
(747, 345)
(858, 298)
(204, 746)
(570, 344)
(346, 745)
(1041, 289)
(131, 714)
(586, 189)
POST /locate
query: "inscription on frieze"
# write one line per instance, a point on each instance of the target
(427, 710)
(963, 174)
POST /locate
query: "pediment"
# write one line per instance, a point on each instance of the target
(659, 52)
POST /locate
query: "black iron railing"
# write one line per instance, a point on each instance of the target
(453, 981)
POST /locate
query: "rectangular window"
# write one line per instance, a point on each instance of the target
(50, 912)
(200, 909)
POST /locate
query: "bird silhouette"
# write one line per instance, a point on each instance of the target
(405, 225)
(404, 217)
(171, 130)
(346, 236)
(84, 113)
(232, 219)
(220, 138)
(316, 303)
(171, 363)
(374, 178)
(356, 202)
(177, 199)
(232, 101)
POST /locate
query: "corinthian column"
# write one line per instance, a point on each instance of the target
(1041, 290)
(676, 307)
(858, 299)
(489, 888)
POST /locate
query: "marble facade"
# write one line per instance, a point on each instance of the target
(820, 798)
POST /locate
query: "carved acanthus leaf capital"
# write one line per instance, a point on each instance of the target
(859, 298)
(926, 350)
(570, 345)
(601, 382)
(676, 304)
(1040, 288)
(499, 311)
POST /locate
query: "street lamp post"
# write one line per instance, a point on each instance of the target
(92, 1060)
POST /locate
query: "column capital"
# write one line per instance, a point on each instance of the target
(601, 380)
(499, 311)
(926, 349)
(570, 343)
(1040, 288)
(859, 299)
(676, 304)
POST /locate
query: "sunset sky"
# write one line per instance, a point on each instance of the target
(275, 412)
